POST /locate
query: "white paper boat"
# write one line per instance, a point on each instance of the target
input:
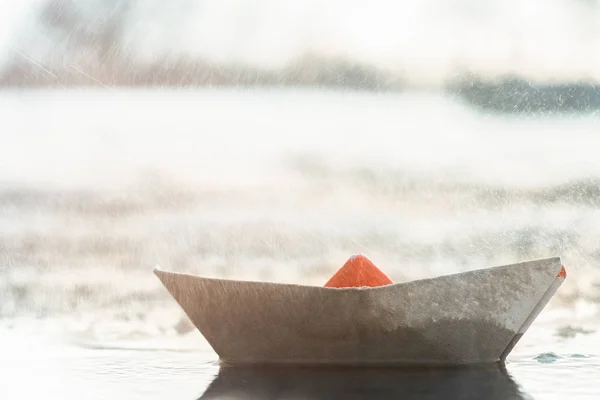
(466, 318)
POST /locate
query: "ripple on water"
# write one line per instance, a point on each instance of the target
(546, 358)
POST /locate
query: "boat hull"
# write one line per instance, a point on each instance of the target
(472, 317)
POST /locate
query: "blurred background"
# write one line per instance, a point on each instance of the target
(271, 140)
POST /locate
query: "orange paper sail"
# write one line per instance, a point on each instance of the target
(358, 271)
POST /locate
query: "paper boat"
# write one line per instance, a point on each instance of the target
(465, 318)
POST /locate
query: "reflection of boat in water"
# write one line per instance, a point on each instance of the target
(490, 382)
(465, 318)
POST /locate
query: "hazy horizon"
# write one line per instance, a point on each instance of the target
(425, 44)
